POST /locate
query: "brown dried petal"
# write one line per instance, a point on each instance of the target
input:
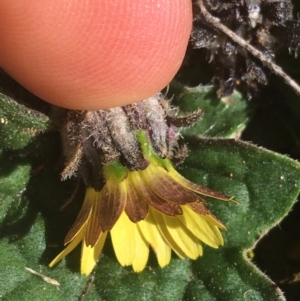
(136, 208)
(112, 204)
(199, 207)
(93, 230)
(168, 189)
(81, 219)
(200, 189)
(153, 200)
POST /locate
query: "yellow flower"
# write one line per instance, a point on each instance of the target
(155, 207)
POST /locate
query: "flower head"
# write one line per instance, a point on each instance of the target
(154, 207)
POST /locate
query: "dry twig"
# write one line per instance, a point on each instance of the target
(256, 53)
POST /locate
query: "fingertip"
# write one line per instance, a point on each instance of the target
(94, 55)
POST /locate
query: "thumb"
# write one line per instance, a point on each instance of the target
(93, 54)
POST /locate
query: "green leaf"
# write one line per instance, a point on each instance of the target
(222, 118)
(19, 125)
(23, 229)
(32, 225)
(21, 284)
(266, 185)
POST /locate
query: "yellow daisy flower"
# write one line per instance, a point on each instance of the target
(155, 207)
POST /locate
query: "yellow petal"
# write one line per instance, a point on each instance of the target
(152, 235)
(216, 229)
(90, 255)
(200, 209)
(212, 219)
(201, 227)
(186, 241)
(69, 248)
(165, 233)
(141, 253)
(123, 239)
(83, 215)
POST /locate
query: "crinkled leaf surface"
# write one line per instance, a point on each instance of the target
(221, 118)
(32, 226)
(26, 193)
(266, 184)
(19, 124)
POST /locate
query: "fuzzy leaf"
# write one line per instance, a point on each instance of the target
(32, 226)
(19, 124)
(225, 118)
(25, 199)
(265, 183)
